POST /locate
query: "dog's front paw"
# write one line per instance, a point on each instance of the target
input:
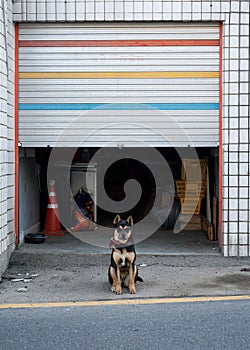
(132, 290)
(118, 290)
(113, 288)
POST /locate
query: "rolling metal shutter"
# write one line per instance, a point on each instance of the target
(130, 84)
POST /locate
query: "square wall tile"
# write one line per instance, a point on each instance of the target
(243, 250)
(233, 238)
(233, 228)
(225, 250)
(233, 250)
(243, 238)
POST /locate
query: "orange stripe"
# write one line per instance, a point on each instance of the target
(118, 75)
(117, 43)
(16, 155)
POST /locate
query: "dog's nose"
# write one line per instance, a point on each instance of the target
(123, 233)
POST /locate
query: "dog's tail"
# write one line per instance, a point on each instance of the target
(139, 279)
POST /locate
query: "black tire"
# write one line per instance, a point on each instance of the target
(35, 238)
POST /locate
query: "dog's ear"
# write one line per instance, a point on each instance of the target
(130, 220)
(117, 219)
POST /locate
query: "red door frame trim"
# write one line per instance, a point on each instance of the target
(220, 233)
(16, 153)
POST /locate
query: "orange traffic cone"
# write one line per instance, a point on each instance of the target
(52, 223)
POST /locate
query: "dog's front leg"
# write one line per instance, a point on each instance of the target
(118, 282)
(116, 257)
(112, 278)
(131, 285)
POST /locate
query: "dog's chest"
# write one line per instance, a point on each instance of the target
(124, 269)
(124, 275)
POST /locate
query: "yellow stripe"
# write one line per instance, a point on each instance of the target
(116, 75)
(127, 302)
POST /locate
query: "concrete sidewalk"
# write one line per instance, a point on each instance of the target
(67, 272)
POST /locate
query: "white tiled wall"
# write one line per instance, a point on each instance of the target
(120, 10)
(6, 133)
(236, 131)
(235, 16)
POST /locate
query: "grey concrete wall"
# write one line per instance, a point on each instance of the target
(29, 195)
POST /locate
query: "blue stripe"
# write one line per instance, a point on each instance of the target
(118, 106)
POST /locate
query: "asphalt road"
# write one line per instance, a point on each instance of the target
(173, 325)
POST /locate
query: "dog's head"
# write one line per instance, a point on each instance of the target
(123, 230)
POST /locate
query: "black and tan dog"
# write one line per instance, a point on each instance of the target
(122, 271)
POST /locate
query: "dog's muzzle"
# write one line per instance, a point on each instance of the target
(123, 232)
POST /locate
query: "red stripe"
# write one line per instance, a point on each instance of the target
(110, 43)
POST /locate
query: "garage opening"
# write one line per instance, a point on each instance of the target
(33, 192)
(121, 85)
